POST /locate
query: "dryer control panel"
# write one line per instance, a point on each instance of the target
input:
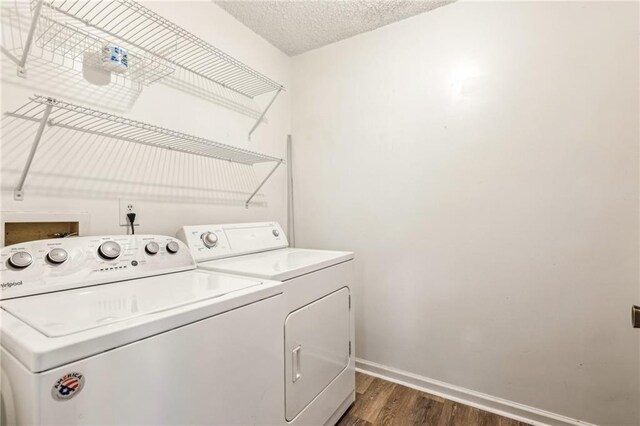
(64, 263)
(209, 242)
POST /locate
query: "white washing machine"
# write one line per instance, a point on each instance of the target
(317, 319)
(125, 330)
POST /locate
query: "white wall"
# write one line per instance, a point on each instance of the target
(161, 209)
(482, 162)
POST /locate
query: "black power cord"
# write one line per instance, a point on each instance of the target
(132, 218)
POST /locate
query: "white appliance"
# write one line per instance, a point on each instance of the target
(317, 319)
(125, 330)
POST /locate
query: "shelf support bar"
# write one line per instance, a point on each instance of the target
(18, 193)
(246, 204)
(10, 55)
(264, 112)
(22, 71)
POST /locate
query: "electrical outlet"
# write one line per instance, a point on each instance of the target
(128, 206)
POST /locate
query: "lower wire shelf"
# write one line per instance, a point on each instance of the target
(53, 112)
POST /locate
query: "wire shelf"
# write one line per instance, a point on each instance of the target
(139, 27)
(61, 114)
(72, 42)
(158, 49)
(70, 116)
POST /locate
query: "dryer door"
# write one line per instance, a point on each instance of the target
(316, 348)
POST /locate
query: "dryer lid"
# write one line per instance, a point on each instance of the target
(67, 312)
(280, 265)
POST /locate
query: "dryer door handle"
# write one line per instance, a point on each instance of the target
(295, 362)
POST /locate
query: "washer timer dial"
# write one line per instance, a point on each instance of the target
(109, 250)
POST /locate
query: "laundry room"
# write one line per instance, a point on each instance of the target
(310, 212)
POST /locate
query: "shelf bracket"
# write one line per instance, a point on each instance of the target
(246, 204)
(22, 70)
(18, 193)
(264, 112)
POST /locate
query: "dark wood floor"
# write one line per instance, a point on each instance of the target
(379, 402)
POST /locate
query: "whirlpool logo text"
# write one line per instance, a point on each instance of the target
(10, 284)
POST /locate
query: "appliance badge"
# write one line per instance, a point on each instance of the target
(67, 386)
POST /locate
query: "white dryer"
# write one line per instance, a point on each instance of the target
(125, 330)
(317, 318)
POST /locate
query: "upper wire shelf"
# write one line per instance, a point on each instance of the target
(146, 30)
(157, 46)
(58, 113)
(72, 42)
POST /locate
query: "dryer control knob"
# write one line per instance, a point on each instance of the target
(20, 259)
(57, 256)
(173, 247)
(152, 248)
(209, 239)
(109, 250)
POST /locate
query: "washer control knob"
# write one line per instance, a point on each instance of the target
(275, 232)
(57, 256)
(109, 250)
(173, 247)
(209, 239)
(20, 259)
(152, 248)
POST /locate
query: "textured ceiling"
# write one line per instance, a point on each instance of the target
(298, 26)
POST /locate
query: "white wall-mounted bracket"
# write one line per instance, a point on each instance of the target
(246, 204)
(18, 193)
(35, 16)
(264, 112)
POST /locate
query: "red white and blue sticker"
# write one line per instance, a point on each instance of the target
(67, 386)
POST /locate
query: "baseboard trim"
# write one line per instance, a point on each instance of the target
(485, 402)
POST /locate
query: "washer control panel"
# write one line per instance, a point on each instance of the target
(209, 242)
(59, 264)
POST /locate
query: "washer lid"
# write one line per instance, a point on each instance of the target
(91, 320)
(280, 265)
(67, 312)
